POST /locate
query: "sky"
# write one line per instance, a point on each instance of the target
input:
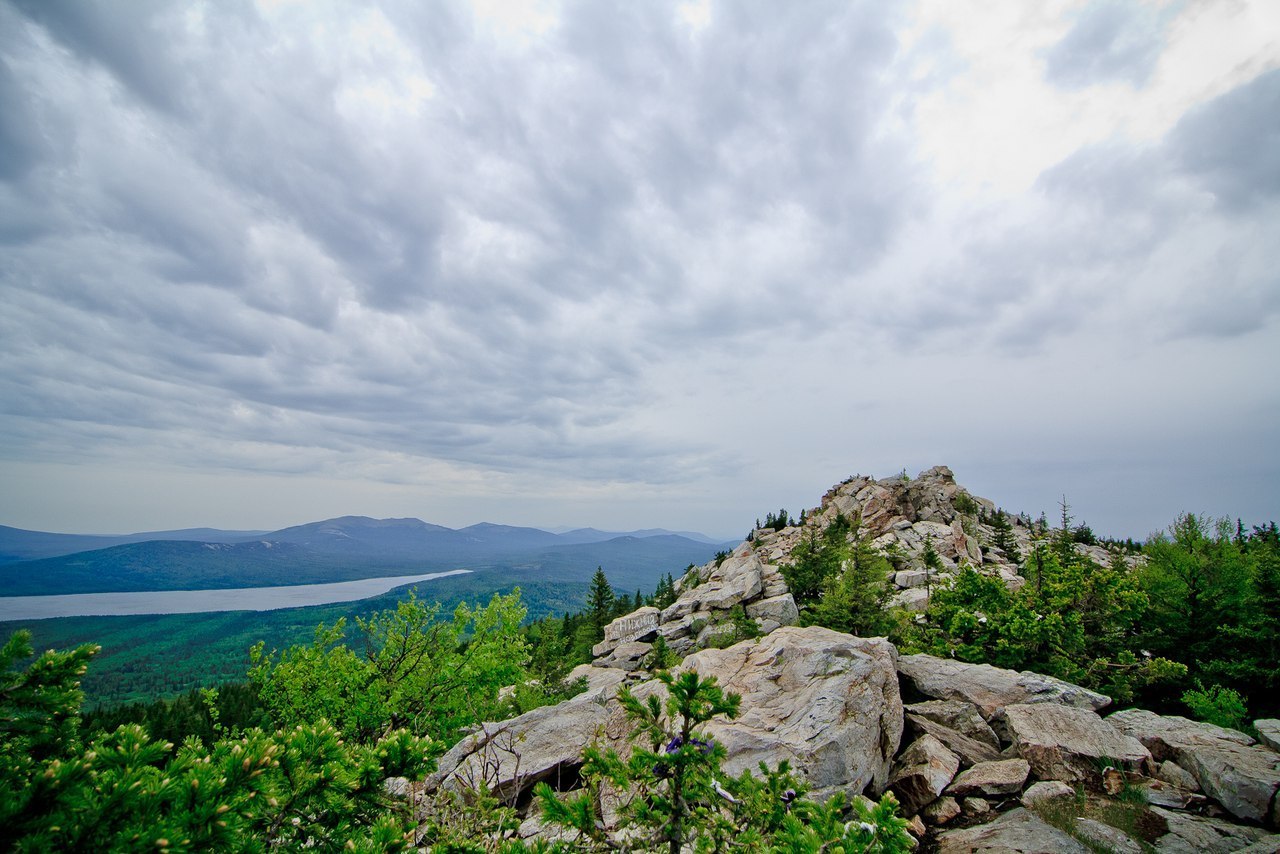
(634, 265)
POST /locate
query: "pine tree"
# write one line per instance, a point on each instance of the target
(1004, 539)
(1064, 541)
(666, 592)
(600, 602)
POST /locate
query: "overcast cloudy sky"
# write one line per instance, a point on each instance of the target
(634, 264)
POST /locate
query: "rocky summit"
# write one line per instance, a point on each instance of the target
(979, 756)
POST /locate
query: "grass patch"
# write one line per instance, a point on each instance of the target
(1127, 812)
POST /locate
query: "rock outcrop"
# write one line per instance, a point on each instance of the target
(700, 615)
(825, 702)
(977, 756)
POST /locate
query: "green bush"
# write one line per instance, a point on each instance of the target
(296, 789)
(1218, 705)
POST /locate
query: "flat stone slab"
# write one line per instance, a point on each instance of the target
(1018, 831)
(1069, 744)
(991, 779)
(1166, 735)
(991, 688)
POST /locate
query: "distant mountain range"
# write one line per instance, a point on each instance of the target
(341, 549)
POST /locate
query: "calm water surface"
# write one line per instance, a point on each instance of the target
(197, 601)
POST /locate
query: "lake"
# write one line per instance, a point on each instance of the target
(199, 601)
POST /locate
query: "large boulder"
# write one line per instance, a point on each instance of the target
(1242, 776)
(738, 578)
(1167, 735)
(990, 688)
(774, 612)
(1015, 832)
(1070, 744)
(826, 702)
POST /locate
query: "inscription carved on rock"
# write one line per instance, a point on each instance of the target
(631, 627)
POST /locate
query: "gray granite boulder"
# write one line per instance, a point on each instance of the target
(1268, 732)
(922, 772)
(824, 701)
(511, 756)
(1194, 834)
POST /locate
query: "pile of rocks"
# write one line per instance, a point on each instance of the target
(985, 742)
(973, 756)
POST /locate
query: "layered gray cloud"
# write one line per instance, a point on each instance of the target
(573, 255)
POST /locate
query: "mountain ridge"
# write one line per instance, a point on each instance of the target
(21, 544)
(346, 548)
